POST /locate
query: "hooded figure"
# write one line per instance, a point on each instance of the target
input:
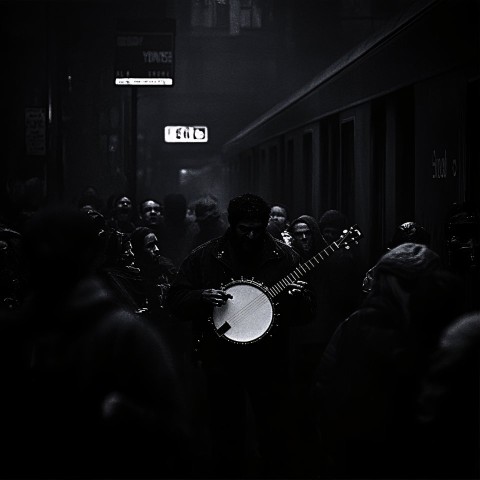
(331, 225)
(335, 281)
(306, 236)
(407, 232)
(366, 387)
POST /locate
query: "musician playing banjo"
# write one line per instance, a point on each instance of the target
(237, 291)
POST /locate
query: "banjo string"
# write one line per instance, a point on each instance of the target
(257, 301)
(276, 289)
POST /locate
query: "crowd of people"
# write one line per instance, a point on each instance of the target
(175, 340)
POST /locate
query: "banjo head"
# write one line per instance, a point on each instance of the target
(248, 316)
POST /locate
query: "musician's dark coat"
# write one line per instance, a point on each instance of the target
(215, 263)
(233, 371)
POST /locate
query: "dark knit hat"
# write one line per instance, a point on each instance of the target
(408, 261)
(333, 218)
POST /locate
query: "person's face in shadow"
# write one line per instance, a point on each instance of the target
(330, 234)
(249, 235)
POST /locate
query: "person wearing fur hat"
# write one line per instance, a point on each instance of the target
(365, 388)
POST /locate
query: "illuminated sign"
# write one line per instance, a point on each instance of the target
(179, 134)
(145, 53)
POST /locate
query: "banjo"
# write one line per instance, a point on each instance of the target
(250, 314)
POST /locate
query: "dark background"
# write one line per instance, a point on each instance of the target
(234, 60)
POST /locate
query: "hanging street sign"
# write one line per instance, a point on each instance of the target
(145, 53)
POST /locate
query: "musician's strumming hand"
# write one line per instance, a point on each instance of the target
(297, 287)
(217, 298)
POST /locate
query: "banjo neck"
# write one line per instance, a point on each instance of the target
(351, 236)
(302, 270)
(250, 314)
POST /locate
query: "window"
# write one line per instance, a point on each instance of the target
(226, 15)
(250, 14)
(308, 170)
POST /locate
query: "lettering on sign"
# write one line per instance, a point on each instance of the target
(179, 134)
(145, 53)
(151, 56)
(454, 167)
(439, 165)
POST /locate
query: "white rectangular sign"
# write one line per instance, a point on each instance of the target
(180, 134)
(143, 81)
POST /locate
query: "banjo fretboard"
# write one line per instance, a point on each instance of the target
(352, 235)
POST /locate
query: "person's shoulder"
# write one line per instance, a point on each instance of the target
(462, 334)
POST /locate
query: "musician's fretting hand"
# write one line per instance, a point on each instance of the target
(217, 298)
(297, 287)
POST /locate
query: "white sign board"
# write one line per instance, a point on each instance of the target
(180, 134)
(145, 52)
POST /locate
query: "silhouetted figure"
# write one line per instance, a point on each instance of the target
(89, 389)
(367, 384)
(12, 269)
(340, 293)
(89, 197)
(176, 233)
(449, 404)
(236, 373)
(335, 285)
(463, 250)
(209, 221)
(29, 198)
(115, 264)
(156, 271)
